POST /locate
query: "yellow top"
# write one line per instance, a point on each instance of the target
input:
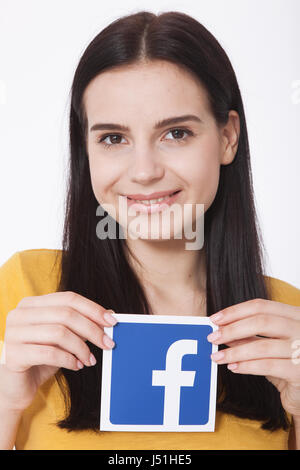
(31, 272)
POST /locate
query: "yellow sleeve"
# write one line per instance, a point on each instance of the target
(282, 291)
(27, 273)
(11, 289)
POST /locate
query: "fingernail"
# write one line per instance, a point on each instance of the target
(79, 365)
(108, 341)
(216, 316)
(109, 318)
(232, 366)
(92, 359)
(217, 355)
(213, 336)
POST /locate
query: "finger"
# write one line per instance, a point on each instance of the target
(242, 341)
(259, 349)
(65, 316)
(253, 307)
(261, 324)
(24, 356)
(53, 335)
(278, 368)
(86, 307)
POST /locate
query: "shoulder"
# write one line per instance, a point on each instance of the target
(28, 273)
(31, 254)
(31, 262)
(43, 259)
(282, 291)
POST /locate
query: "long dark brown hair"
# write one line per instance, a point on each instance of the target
(99, 269)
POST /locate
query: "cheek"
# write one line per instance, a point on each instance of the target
(102, 177)
(96, 180)
(204, 171)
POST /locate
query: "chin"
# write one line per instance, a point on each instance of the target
(155, 231)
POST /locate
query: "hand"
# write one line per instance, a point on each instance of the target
(44, 333)
(276, 356)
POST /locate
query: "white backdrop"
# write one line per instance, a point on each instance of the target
(40, 45)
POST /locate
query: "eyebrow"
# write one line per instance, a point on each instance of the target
(158, 125)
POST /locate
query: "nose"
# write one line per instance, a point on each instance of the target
(145, 167)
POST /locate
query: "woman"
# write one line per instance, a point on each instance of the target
(136, 76)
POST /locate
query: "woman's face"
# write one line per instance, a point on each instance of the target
(149, 156)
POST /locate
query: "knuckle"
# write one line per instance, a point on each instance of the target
(70, 297)
(60, 331)
(257, 304)
(23, 302)
(68, 312)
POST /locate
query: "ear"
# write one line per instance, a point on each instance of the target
(230, 138)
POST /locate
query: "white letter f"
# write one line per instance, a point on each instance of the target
(173, 377)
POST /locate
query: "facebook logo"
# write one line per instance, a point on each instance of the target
(173, 378)
(159, 376)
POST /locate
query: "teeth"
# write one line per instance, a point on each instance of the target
(151, 201)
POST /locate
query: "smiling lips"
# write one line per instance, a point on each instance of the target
(154, 202)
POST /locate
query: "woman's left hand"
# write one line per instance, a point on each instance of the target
(277, 356)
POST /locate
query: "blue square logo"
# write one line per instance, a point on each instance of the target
(159, 376)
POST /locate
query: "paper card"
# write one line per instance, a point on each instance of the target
(159, 376)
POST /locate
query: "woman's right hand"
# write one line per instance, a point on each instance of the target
(44, 333)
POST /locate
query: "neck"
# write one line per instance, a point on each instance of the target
(166, 269)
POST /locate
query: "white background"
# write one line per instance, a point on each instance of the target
(41, 43)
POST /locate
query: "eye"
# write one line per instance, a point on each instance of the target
(102, 139)
(118, 136)
(179, 132)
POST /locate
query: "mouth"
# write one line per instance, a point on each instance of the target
(153, 205)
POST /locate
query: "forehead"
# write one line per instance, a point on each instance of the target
(157, 88)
